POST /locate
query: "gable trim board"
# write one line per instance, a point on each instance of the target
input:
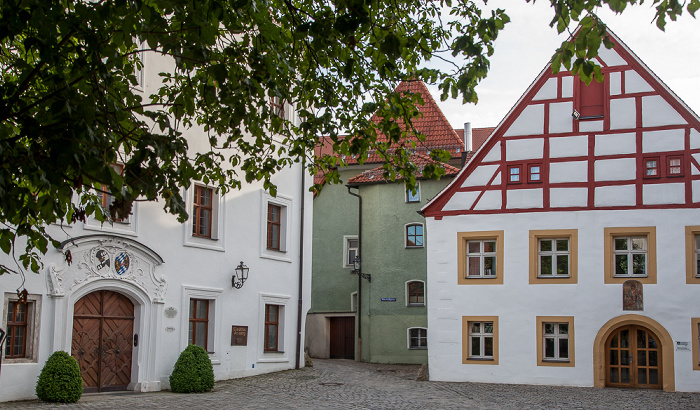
(592, 164)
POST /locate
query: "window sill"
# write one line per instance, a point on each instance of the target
(415, 247)
(416, 305)
(481, 359)
(591, 117)
(481, 277)
(554, 277)
(417, 348)
(555, 361)
(630, 276)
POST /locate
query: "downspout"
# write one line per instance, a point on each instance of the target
(301, 262)
(359, 276)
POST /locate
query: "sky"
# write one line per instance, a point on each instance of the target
(527, 43)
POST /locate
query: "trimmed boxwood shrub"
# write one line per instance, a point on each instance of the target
(193, 372)
(60, 380)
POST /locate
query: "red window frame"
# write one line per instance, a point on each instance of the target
(519, 173)
(16, 329)
(530, 174)
(202, 211)
(679, 166)
(664, 166)
(272, 325)
(657, 167)
(274, 226)
(194, 319)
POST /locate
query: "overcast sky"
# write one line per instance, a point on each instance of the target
(526, 45)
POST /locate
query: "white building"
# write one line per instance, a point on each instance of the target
(566, 251)
(137, 292)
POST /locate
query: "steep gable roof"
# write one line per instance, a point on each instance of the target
(376, 175)
(590, 162)
(431, 121)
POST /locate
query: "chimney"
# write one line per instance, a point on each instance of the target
(468, 136)
(467, 143)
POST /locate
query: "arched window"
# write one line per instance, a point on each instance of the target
(415, 293)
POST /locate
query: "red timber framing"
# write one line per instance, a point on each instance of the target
(499, 181)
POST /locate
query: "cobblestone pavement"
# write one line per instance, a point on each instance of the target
(344, 384)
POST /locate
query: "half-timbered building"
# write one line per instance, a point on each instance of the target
(566, 251)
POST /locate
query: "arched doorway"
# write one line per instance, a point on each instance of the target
(633, 358)
(602, 351)
(103, 329)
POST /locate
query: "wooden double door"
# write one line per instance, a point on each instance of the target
(633, 358)
(342, 338)
(103, 333)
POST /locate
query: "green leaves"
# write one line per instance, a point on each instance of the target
(223, 79)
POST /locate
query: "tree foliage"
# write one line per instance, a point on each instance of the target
(71, 104)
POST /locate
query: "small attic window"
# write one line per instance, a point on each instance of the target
(591, 100)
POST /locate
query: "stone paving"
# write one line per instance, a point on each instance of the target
(344, 384)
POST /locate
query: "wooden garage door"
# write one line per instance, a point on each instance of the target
(342, 338)
(103, 330)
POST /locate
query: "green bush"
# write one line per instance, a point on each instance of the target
(60, 380)
(193, 372)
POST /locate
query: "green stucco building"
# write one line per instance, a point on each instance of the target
(391, 294)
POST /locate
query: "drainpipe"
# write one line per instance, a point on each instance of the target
(359, 275)
(300, 348)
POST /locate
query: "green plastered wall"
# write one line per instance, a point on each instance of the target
(391, 264)
(335, 215)
(385, 324)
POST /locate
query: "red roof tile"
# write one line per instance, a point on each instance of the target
(377, 174)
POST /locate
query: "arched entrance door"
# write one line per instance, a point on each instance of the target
(103, 330)
(633, 358)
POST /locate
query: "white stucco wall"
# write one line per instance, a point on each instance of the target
(670, 302)
(200, 268)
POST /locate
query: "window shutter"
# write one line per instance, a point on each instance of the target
(591, 99)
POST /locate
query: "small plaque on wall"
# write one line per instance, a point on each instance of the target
(239, 335)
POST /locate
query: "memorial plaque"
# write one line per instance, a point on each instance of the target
(632, 295)
(239, 335)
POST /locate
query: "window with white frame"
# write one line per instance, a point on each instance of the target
(481, 258)
(553, 257)
(199, 323)
(417, 338)
(276, 226)
(351, 248)
(201, 307)
(415, 293)
(273, 318)
(272, 324)
(353, 302)
(414, 236)
(556, 341)
(481, 340)
(630, 256)
(413, 196)
(21, 324)
(205, 227)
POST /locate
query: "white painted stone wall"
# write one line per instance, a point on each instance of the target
(189, 269)
(671, 302)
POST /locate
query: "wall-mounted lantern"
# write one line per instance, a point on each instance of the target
(240, 275)
(356, 265)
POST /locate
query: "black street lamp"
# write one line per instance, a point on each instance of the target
(240, 275)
